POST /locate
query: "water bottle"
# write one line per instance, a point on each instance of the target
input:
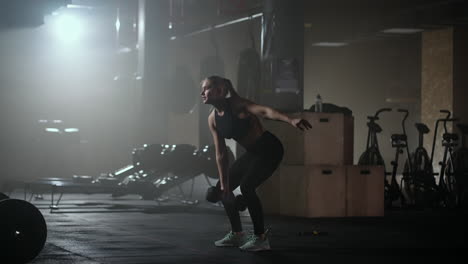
(318, 103)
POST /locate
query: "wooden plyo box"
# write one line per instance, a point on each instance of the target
(324, 191)
(365, 190)
(269, 194)
(293, 189)
(313, 191)
(330, 141)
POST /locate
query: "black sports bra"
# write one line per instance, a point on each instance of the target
(230, 126)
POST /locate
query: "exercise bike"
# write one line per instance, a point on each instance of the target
(446, 184)
(371, 155)
(460, 169)
(393, 190)
(418, 175)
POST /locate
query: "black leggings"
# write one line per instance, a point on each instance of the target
(248, 172)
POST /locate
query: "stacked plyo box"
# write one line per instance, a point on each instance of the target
(365, 190)
(316, 177)
(328, 148)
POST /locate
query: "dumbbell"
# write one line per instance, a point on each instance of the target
(23, 231)
(213, 195)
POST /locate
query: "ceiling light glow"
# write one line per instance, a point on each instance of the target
(402, 30)
(330, 44)
(68, 28)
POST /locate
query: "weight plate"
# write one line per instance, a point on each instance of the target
(23, 231)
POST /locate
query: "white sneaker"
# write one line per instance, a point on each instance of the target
(231, 240)
(256, 243)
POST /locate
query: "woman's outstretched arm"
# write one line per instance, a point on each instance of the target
(270, 113)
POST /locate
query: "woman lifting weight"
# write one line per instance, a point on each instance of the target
(236, 117)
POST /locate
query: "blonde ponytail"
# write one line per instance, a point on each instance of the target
(230, 88)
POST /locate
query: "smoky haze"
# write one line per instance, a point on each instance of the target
(70, 74)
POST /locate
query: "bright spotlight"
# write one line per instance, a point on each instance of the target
(117, 25)
(68, 28)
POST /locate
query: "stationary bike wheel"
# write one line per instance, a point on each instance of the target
(450, 182)
(371, 156)
(419, 184)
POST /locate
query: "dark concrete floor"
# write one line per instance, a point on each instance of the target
(100, 229)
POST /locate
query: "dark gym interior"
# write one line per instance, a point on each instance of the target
(106, 153)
